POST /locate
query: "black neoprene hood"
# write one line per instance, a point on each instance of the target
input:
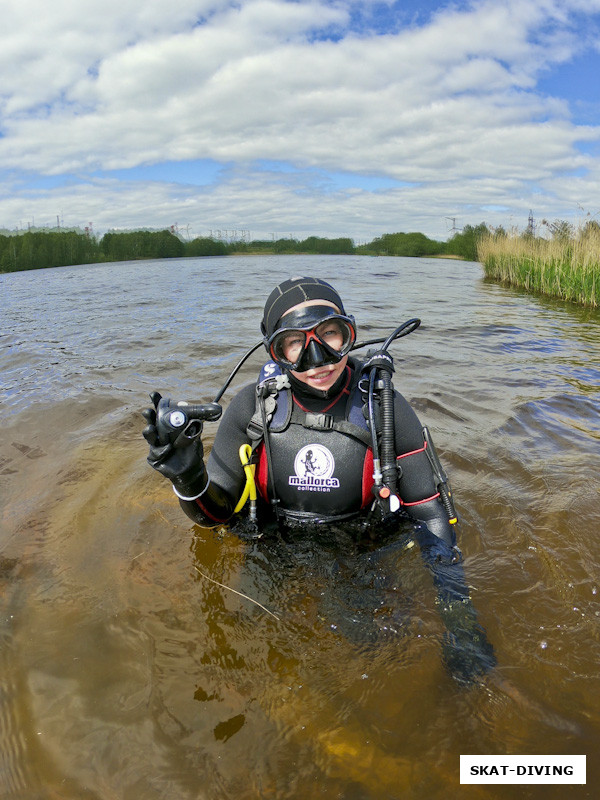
(292, 292)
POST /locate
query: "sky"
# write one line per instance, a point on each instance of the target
(266, 119)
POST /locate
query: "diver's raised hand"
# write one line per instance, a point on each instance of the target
(176, 449)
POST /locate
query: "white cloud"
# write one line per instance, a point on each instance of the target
(45, 50)
(450, 104)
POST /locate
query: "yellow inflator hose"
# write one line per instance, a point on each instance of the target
(245, 452)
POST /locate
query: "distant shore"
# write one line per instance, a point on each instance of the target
(42, 249)
(566, 266)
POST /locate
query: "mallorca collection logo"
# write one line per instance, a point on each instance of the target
(314, 466)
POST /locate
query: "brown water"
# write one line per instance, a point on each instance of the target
(126, 672)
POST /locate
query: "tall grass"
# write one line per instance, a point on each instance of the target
(567, 267)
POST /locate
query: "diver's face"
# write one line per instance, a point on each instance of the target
(322, 377)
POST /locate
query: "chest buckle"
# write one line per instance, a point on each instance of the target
(319, 422)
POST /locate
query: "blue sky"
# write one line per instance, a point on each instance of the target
(278, 118)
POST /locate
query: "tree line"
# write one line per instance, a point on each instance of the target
(59, 248)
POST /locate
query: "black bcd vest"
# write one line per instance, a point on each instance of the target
(322, 463)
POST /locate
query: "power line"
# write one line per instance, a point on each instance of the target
(453, 221)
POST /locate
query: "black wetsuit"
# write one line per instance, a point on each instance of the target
(318, 473)
(309, 486)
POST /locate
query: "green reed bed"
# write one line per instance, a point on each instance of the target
(567, 268)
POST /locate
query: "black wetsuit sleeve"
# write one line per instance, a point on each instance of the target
(225, 472)
(468, 654)
(417, 486)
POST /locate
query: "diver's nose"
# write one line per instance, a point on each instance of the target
(314, 356)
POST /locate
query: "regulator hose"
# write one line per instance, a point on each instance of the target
(377, 474)
(388, 441)
(385, 470)
(403, 330)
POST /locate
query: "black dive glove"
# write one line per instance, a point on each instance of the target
(176, 449)
(467, 652)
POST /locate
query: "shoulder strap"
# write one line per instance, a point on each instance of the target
(358, 398)
(272, 383)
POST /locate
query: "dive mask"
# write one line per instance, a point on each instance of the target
(312, 337)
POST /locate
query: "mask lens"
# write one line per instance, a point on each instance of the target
(287, 347)
(336, 334)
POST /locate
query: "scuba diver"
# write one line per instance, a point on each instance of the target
(322, 437)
